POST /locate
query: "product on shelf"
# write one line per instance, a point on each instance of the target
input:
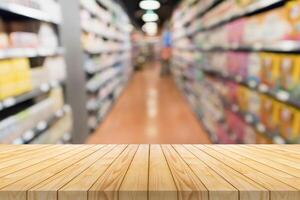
(57, 131)
(15, 127)
(14, 77)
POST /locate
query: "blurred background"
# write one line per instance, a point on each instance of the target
(149, 71)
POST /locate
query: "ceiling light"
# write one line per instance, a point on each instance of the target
(149, 5)
(150, 28)
(150, 16)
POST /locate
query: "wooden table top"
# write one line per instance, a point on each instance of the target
(94, 172)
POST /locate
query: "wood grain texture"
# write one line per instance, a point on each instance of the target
(218, 187)
(189, 186)
(135, 183)
(278, 190)
(161, 183)
(156, 172)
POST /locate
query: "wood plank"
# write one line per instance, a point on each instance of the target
(217, 186)
(77, 189)
(14, 177)
(290, 156)
(161, 183)
(135, 183)
(267, 160)
(48, 189)
(248, 189)
(107, 186)
(278, 190)
(20, 163)
(22, 153)
(277, 174)
(18, 190)
(11, 148)
(189, 186)
(283, 150)
(280, 157)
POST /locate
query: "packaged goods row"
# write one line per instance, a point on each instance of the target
(17, 126)
(94, 25)
(47, 10)
(27, 35)
(275, 72)
(217, 101)
(107, 58)
(96, 45)
(17, 77)
(32, 73)
(60, 131)
(237, 63)
(101, 62)
(279, 24)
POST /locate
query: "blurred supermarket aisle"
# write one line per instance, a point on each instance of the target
(151, 110)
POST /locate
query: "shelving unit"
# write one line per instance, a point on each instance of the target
(103, 64)
(31, 97)
(216, 71)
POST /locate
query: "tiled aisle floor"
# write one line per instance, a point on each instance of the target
(150, 110)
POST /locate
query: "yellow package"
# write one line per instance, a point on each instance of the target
(289, 72)
(289, 122)
(296, 128)
(270, 69)
(242, 97)
(22, 75)
(270, 113)
(293, 15)
(6, 72)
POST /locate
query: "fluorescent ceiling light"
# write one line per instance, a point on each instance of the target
(150, 16)
(149, 5)
(150, 28)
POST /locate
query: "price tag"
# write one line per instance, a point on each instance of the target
(283, 96)
(263, 88)
(9, 102)
(278, 140)
(41, 126)
(45, 87)
(261, 128)
(29, 135)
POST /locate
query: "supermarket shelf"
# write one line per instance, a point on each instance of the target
(43, 89)
(246, 117)
(94, 105)
(107, 50)
(208, 8)
(258, 126)
(280, 95)
(92, 89)
(42, 126)
(29, 52)
(103, 34)
(254, 8)
(94, 70)
(202, 12)
(280, 47)
(24, 11)
(210, 134)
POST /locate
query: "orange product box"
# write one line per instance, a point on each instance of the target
(242, 97)
(289, 122)
(270, 69)
(261, 139)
